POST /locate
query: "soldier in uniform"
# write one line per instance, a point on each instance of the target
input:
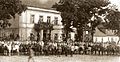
(59, 50)
(72, 49)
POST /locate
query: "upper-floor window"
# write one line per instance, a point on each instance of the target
(48, 19)
(40, 18)
(32, 17)
(112, 39)
(56, 21)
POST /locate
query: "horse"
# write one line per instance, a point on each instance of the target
(7, 49)
(1, 49)
(15, 49)
(11, 48)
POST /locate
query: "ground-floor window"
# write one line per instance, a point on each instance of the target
(32, 37)
(56, 37)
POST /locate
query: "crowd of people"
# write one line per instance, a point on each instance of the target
(53, 48)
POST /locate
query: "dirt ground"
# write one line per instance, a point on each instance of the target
(75, 58)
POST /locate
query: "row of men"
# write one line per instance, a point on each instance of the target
(59, 48)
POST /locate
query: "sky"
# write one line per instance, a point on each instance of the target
(116, 2)
(49, 3)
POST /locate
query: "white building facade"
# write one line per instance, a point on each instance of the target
(108, 36)
(33, 15)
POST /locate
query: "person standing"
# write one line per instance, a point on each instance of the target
(32, 37)
(59, 50)
(72, 49)
(31, 54)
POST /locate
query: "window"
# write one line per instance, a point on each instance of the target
(56, 37)
(40, 18)
(48, 19)
(63, 37)
(56, 21)
(96, 39)
(32, 18)
(32, 36)
(112, 39)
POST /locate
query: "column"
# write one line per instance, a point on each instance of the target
(41, 35)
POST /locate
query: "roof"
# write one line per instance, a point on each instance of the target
(42, 9)
(40, 3)
(101, 31)
(98, 33)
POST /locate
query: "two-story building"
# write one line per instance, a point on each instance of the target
(34, 15)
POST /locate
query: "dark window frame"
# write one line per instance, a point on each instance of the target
(48, 19)
(56, 20)
(32, 18)
(41, 18)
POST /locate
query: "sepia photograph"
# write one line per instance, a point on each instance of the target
(59, 30)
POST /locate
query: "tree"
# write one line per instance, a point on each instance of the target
(8, 9)
(113, 20)
(78, 13)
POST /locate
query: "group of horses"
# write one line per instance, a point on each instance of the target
(52, 48)
(9, 48)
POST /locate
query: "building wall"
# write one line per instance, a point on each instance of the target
(59, 32)
(106, 39)
(26, 27)
(106, 36)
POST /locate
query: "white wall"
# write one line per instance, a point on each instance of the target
(106, 39)
(25, 20)
(59, 32)
(72, 36)
(26, 16)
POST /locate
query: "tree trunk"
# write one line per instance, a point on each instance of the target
(80, 34)
(92, 37)
(92, 34)
(66, 35)
(50, 35)
(38, 37)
